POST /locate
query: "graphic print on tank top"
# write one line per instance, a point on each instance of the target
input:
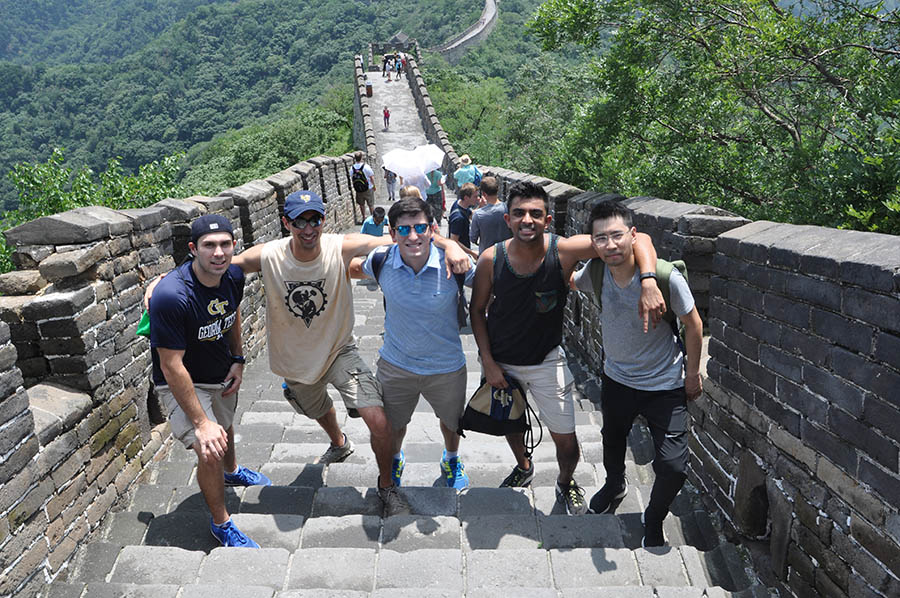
(306, 299)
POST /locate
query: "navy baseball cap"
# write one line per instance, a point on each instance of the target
(210, 223)
(302, 201)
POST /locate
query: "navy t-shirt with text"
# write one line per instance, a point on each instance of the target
(186, 315)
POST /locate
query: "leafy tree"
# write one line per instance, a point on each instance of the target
(785, 110)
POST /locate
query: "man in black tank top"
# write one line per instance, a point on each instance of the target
(524, 280)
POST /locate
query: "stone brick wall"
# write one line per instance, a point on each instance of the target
(800, 432)
(363, 125)
(434, 132)
(77, 413)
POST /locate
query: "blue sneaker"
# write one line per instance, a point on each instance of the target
(397, 466)
(246, 477)
(229, 535)
(454, 472)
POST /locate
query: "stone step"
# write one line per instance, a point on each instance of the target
(398, 565)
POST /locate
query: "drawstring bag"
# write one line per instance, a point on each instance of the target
(501, 411)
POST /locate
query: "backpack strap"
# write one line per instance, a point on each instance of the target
(597, 271)
(379, 256)
(499, 259)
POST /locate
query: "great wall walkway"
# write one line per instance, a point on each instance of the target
(322, 535)
(320, 527)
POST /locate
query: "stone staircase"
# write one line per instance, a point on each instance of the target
(322, 534)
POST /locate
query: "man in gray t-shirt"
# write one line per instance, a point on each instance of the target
(488, 224)
(645, 373)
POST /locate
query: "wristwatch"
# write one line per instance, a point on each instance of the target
(238, 359)
(646, 275)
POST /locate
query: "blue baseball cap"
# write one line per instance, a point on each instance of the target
(210, 223)
(302, 201)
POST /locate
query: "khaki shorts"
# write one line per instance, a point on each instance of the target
(549, 386)
(217, 408)
(350, 377)
(446, 393)
(366, 197)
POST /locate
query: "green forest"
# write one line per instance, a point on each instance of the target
(785, 111)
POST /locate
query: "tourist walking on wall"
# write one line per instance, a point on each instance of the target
(467, 173)
(523, 283)
(198, 364)
(422, 353)
(387, 118)
(460, 216)
(488, 224)
(434, 194)
(362, 177)
(645, 372)
(309, 329)
(374, 224)
(390, 181)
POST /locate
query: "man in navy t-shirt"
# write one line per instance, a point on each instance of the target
(198, 363)
(461, 215)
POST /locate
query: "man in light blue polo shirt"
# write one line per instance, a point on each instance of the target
(422, 353)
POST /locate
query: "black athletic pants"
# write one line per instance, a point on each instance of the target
(666, 413)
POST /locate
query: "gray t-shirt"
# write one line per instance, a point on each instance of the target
(651, 361)
(488, 226)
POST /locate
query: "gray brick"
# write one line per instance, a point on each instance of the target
(745, 296)
(813, 290)
(132, 590)
(825, 259)
(278, 499)
(721, 309)
(873, 377)
(218, 590)
(786, 310)
(758, 375)
(500, 532)
(314, 568)
(787, 251)
(563, 531)
(743, 344)
(812, 406)
(404, 533)
(353, 531)
(763, 329)
(346, 500)
(881, 547)
(156, 564)
(275, 530)
(886, 484)
(506, 568)
(783, 363)
(883, 416)
(874, 308)
(832, 388)
(833, 447)
(775, 409)
(591, 567)
(876, 268)
(266, 567)
(811, 348)
(887, 349)
(434, 569)
(494, 501)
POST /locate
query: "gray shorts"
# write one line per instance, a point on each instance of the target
(549, 385)
(217, 408)
(436, 201)
(349, 375)
(446, 393)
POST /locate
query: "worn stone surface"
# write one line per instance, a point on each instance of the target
(21, 282)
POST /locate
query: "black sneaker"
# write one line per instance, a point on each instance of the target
(653, 533)
(572, 496)
(605, 500)
(519, 478)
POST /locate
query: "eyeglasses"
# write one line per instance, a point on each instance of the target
(404, 229)
(604, 239)
(300, 223)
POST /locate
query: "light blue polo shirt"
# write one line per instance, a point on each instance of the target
(421, 334)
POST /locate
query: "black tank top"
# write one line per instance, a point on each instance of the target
(525, 317)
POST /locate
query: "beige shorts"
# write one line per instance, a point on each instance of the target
(349, 375)
(446, 393)
(366, 197)
(549, 386)
(217, 408)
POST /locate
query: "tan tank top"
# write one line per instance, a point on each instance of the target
(309, 309)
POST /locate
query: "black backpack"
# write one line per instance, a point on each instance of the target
(359, 180)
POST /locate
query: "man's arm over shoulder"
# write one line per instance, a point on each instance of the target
(249, 260)
(356, 244)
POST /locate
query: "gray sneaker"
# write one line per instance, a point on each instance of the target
(392, 502)
(573, 497)
(336, 454)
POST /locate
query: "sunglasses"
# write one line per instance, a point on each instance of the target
(300, 223)
(404, 229)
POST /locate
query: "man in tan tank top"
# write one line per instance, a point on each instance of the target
(309, 328)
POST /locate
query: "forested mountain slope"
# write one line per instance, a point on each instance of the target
(224, 65)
